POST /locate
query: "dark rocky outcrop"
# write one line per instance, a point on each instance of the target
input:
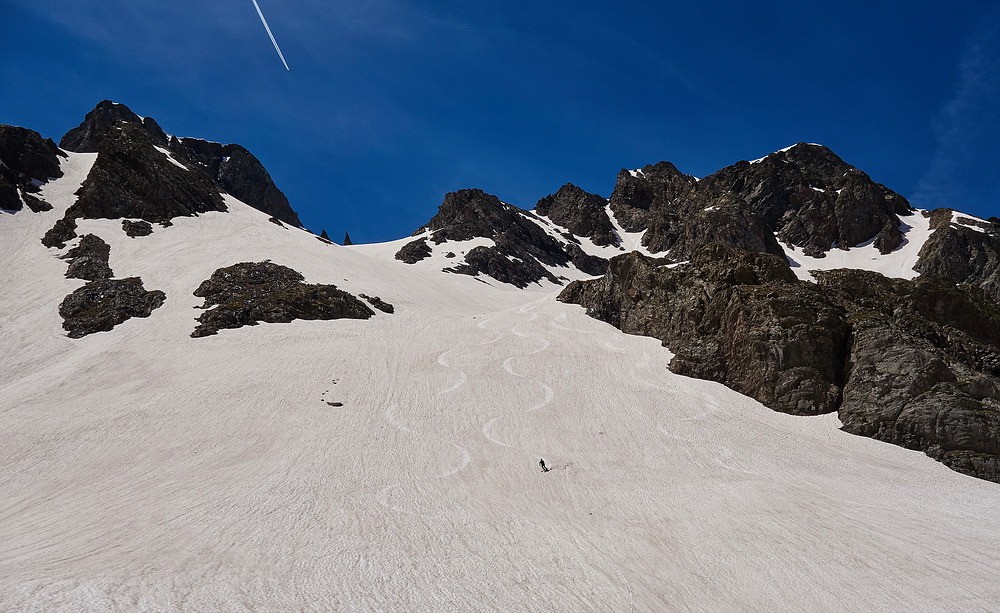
(133, 177)
(378, 303)
(101, 305)
(580, 212)
(637, 192)
(237, 172)
(137, 228)
(35, 204)
(924, 367)
(89, 259)
(590, 264)
(251, 292)
(522, 248)
(914, 363)
(493, 263)
(805, 194)
(57, 236)
(962, 252)
(813, 199)
(737, 317)
(325, 236)
(347, 239)
(26, 159)
(414, 251)
(101, 123)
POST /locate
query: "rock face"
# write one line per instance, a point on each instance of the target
(101, 305)
(580, 212)
(25, 157)
(522, 248)
(248, 293)
(805, 194)
(962, 252)
(143, 173)
(378, 303)
(924, 367)
(89, 259)
(137, 228)
(132, 178)
(100, 124)
(815, 200)
(64, 230)
(914, 363)
(239, 174)
(639, 192)
(740, 318)
(414, 251)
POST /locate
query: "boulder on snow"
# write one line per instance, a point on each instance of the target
(251, 292)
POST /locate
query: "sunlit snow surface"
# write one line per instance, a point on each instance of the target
(146, 470)
(897, 264)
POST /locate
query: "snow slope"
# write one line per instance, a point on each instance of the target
(146, 470)
(898, 264)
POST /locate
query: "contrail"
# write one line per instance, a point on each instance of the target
(268, 28)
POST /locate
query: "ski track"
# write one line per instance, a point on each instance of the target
(145, 470)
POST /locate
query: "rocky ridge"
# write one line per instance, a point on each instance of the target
(522, 251)
(142, 173)
(26, 160)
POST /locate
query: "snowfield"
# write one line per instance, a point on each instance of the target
(147, 470)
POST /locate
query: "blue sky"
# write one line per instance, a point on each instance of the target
(390, 104)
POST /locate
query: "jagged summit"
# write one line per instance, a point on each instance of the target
(582, 213)
(231, 168)
(97, 125)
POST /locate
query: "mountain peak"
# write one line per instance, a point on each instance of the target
(86, 138)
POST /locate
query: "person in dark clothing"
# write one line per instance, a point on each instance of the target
(541, 463)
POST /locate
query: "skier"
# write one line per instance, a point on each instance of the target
(541, 463)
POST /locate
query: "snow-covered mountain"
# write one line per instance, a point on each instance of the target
(206, 407)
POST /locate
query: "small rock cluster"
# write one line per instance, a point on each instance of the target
(103, 302)
(251, 292)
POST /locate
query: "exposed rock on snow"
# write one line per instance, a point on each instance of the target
(25, 157)
(137, 228)
(35, 204)
(114, 131)
(962, 254)
(805, 194)
(915, 363)
(100, 124)
(637, 193)
(89, 259)
(522, 250)
(414, 251)
(239, 174)
(378, 303)
(924, 368)
(132, 179)
(737, 317)
(580, 212)
(248, 293)
(101, 305)
(64, 230)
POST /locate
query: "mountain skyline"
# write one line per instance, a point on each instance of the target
(389, 105)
